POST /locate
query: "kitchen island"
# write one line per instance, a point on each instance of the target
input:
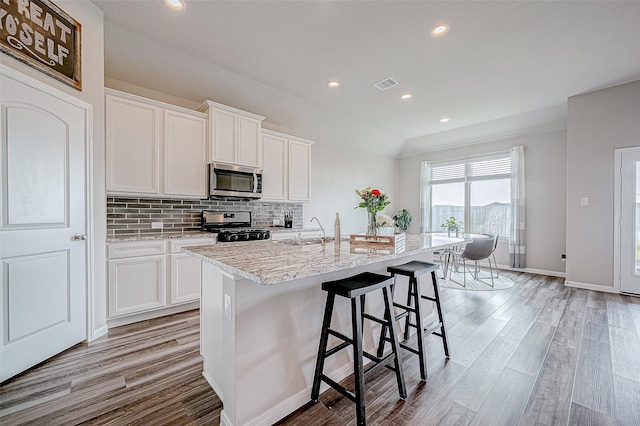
(261, 310)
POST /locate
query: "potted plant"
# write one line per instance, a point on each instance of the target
(402, 220)
(452, 224)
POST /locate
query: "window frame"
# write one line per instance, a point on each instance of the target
(468, 179)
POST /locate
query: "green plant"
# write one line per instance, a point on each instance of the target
(452, 223)
(402, 219)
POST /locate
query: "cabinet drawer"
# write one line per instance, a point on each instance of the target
(135, 249)
(176, 246)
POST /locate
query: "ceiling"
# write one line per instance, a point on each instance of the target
(500, 59)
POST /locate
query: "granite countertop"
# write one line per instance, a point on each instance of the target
(273, 262)
(161, 235)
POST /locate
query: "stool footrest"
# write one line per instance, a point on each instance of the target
(402, 315)
(337, 386)
(335, 349)
(432, 329)
(409, 348)
(405, 307)
(375, 319)
(433, 299)
(340, 336)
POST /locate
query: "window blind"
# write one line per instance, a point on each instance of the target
(479, 169)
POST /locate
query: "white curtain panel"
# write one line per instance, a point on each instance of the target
(425, 196)
(517, 238)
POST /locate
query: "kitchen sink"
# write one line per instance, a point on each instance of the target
(306, 241)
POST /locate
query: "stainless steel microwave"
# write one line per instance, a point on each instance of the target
(228, 180)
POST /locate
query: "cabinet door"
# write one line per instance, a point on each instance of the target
(185, 147)
(185, 278)
(249, 148)
(223, 136)
(299, 171)
(136, 284)
(274, 167)
(133, 146)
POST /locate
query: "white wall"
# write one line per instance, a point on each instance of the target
(545, 160)
(597, 123)
(90, 17)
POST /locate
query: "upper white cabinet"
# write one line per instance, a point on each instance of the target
(234, 135)
(286, 167)
(154, 148)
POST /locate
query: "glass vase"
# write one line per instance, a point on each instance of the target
(372, 224)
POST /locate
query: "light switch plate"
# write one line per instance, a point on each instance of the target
(276, 221)
(584, 201)
(156, 225)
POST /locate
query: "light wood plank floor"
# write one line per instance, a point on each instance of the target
(538, 353)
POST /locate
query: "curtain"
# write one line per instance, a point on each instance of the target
(425, 196)
(517, 238)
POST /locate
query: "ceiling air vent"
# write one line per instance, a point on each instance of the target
(386, 83)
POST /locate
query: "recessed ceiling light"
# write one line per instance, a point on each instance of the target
(439, 30)
(444, 119)
(406, 96)
(175, 4)
(333, 84)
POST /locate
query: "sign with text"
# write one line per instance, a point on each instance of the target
(40, 34)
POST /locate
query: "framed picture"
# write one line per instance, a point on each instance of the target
(40, 34)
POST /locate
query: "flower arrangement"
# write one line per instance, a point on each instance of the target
(374, 201)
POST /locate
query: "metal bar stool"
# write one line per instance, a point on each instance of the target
(413, 270)
(355, 288)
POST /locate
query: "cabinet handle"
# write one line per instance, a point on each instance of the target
(79, 237)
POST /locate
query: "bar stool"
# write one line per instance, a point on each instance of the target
(355, 288)
(413, 270)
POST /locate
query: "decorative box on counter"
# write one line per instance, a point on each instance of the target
(362, 243)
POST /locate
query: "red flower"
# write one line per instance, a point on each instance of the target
(375, 192)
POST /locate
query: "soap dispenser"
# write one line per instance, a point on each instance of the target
(336, 229)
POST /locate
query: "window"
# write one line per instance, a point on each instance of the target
(476, 192)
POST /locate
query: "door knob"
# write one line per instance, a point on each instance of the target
(79, 237)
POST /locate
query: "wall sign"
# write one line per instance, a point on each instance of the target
(40, 34)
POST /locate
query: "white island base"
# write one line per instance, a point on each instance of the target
(260, 347)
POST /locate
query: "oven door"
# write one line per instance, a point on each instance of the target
(226, 180)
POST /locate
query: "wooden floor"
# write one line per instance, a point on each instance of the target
(538, 353)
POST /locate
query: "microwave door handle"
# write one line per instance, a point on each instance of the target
(255, 182)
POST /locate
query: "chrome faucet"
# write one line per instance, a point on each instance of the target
(321, 228)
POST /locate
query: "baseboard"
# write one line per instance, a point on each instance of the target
(99, 332)
(528, 270)
(224, 419)
(213, 385)
(587, 286)
(143, 316)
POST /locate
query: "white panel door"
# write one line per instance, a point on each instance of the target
(42, 226)
(249, 142)
(133, 146)
(299, 171)
(629, 229)
(223, 140)
(185, 154)
(274, 167)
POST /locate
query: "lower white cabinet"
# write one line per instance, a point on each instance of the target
(152, 278)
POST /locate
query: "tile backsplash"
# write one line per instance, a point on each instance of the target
(133, 216)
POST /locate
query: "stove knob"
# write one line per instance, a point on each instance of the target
(259, 235)
(265, 235)
(233, 237)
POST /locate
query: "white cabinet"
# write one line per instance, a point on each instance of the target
(152, 278)
(234, 135)
(154, 148)
(133, 146)
(185, 153)
(286, 168)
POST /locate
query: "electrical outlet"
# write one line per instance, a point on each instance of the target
(563, 257)
(584, 201)
(276, 222)
(156, 225)
(227, 306)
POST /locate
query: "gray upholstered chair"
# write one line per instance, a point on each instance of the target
(477, 250)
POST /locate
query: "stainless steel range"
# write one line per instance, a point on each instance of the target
(232, 226)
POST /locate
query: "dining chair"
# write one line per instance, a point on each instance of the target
(477, 250)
